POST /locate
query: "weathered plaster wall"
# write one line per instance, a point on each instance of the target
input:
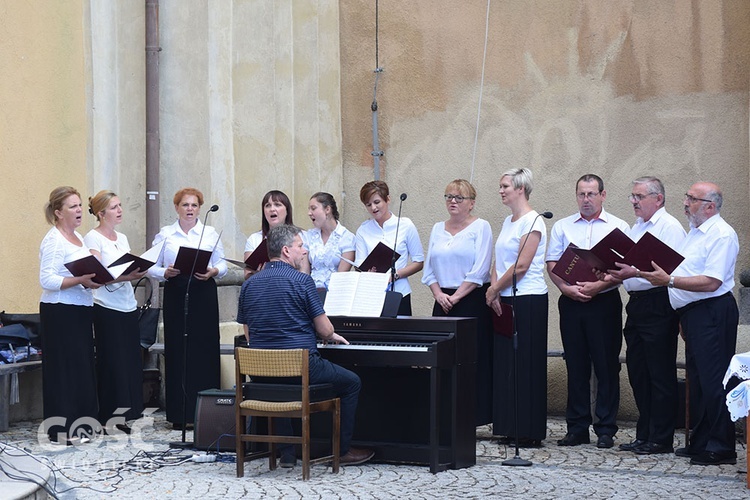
(618, 88)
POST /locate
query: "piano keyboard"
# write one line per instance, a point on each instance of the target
(376, 347)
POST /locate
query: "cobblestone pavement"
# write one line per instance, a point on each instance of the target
(121, 467)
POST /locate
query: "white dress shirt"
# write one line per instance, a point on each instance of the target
(582, 233)
(409, 246)
(465, 256)
(174, 238)
(117, 296)
(665, 227)
(325, 257)
(506, 252)
(709, 250)
(54, 252)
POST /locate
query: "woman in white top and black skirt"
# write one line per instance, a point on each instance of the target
(327, 241)
(382, 228)
(276, 209)
(457, 270)
(119, 367)
(66, 314)
(203, 316)
(523, 229)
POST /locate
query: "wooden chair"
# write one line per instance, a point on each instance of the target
(281, 363)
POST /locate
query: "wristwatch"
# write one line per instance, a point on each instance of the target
(396, 277)
(671, 282)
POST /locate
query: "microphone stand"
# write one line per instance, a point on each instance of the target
(517, 461)
(395, 242)
(182, 443)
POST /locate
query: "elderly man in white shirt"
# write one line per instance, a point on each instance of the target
(700, 290)
(651, 327)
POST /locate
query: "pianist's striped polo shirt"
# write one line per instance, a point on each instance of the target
(278, 305)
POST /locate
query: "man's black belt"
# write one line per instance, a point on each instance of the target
(682, 310)
(650, 291)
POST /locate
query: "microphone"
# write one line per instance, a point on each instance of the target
(546, 215)
(395, 242)
(215, 208)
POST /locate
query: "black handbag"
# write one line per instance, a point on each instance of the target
(148, 317)
(30, 321)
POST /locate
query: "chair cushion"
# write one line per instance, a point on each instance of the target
(253, 404)
(281, 393)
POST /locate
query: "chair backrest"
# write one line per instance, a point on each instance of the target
(271, 362)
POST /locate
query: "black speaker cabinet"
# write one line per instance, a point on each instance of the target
(214, 421)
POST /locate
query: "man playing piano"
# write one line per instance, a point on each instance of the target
(281, 309)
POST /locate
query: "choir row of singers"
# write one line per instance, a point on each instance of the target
(459, 270)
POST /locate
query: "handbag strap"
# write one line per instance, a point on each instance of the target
(149, 290)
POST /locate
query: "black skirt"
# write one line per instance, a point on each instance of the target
(531, 324)
(119, 368)
(69, 376)
(474, 305)
(202, 353)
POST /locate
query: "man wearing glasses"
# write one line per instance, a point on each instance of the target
(700, 290)
(651, 327)
(590, 320)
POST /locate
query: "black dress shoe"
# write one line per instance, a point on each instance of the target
(686, 453)
(505, 440)
(653, 449)
(573, 440)
(605, 441)
(528, 443)
(714, 458)
(632, 445)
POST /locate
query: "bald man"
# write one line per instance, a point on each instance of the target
(700, 290)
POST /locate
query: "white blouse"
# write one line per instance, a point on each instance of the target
(325, 257)
(54, 252)
(506, 252)
(174, 238)
(465, 256)
(116, 296)
(253, 241)
(409, 246)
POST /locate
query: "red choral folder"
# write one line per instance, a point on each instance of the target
(186, 257)
(258, 257)
(577, 264)
(89, 265)
(503, 325)
(137, 263)
(379, 258)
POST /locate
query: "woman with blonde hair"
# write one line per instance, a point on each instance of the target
(66, 314)
(118, 352)
(457, 271)
(520, 248)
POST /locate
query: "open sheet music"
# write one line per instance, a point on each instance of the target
(356, 294)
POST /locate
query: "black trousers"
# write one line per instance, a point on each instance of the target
(592, 335)
(710, 328)
(651, 336)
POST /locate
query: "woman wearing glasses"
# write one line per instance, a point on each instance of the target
(520, 248)
(457, 270)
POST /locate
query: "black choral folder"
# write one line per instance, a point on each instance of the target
(380, 258)
(90, 265)
(186, 256)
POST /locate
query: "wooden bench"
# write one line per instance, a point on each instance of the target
(6, 372)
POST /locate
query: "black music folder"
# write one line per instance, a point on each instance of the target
(186, 256)
(90, 265)
(380, 258)
(259, 256)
